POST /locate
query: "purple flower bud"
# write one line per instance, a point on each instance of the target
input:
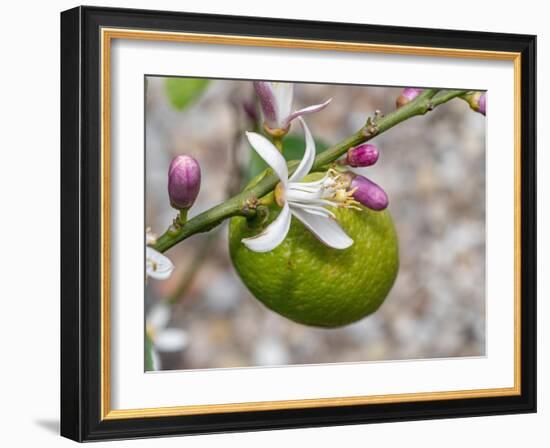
(362, 155)
(482, 103)
(184, 181)
(477, 101)
(251, 111)
(368, 193)
(407, 96)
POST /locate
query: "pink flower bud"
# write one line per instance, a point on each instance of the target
(184, 181)
(362, 155)
(477, 101)
(482, 103)
(368, 193)
(407, 96)
(251, 111)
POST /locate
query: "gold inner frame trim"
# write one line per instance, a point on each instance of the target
(107, 35)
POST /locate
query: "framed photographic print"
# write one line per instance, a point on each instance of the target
(276, 224)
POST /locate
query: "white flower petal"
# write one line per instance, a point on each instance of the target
(309, 155)
(171, 340)
(319, 202)
(284, 94)
(157, 265)
(156, 359)
(298, 186)
(158, 316)
(308, 110)
(297, 195)
(271, 155)
(315, 210)
(327, 230)
(273, 235)
(312, 184)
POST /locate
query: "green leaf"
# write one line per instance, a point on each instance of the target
(148, 354)
(293, 149)
(184, 91)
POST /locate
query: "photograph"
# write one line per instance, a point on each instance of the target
(280, 224)
(281, 229)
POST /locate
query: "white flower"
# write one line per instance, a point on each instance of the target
(164, 339)
(150, 237)
(306, 201)
(276, 100)
(157, 265)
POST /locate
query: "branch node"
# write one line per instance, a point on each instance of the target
(371, 128)
(174, 228)
(249, 206)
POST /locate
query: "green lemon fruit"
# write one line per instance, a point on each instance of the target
(310, 283)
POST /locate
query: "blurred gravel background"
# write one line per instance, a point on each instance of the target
(433, 169)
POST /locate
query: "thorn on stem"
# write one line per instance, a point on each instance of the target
(371, 128)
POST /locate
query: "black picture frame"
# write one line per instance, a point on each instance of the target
(81, 224)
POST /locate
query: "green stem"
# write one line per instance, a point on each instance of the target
(237, 205)
(245, 202)
(278, 142)
(182, 217)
